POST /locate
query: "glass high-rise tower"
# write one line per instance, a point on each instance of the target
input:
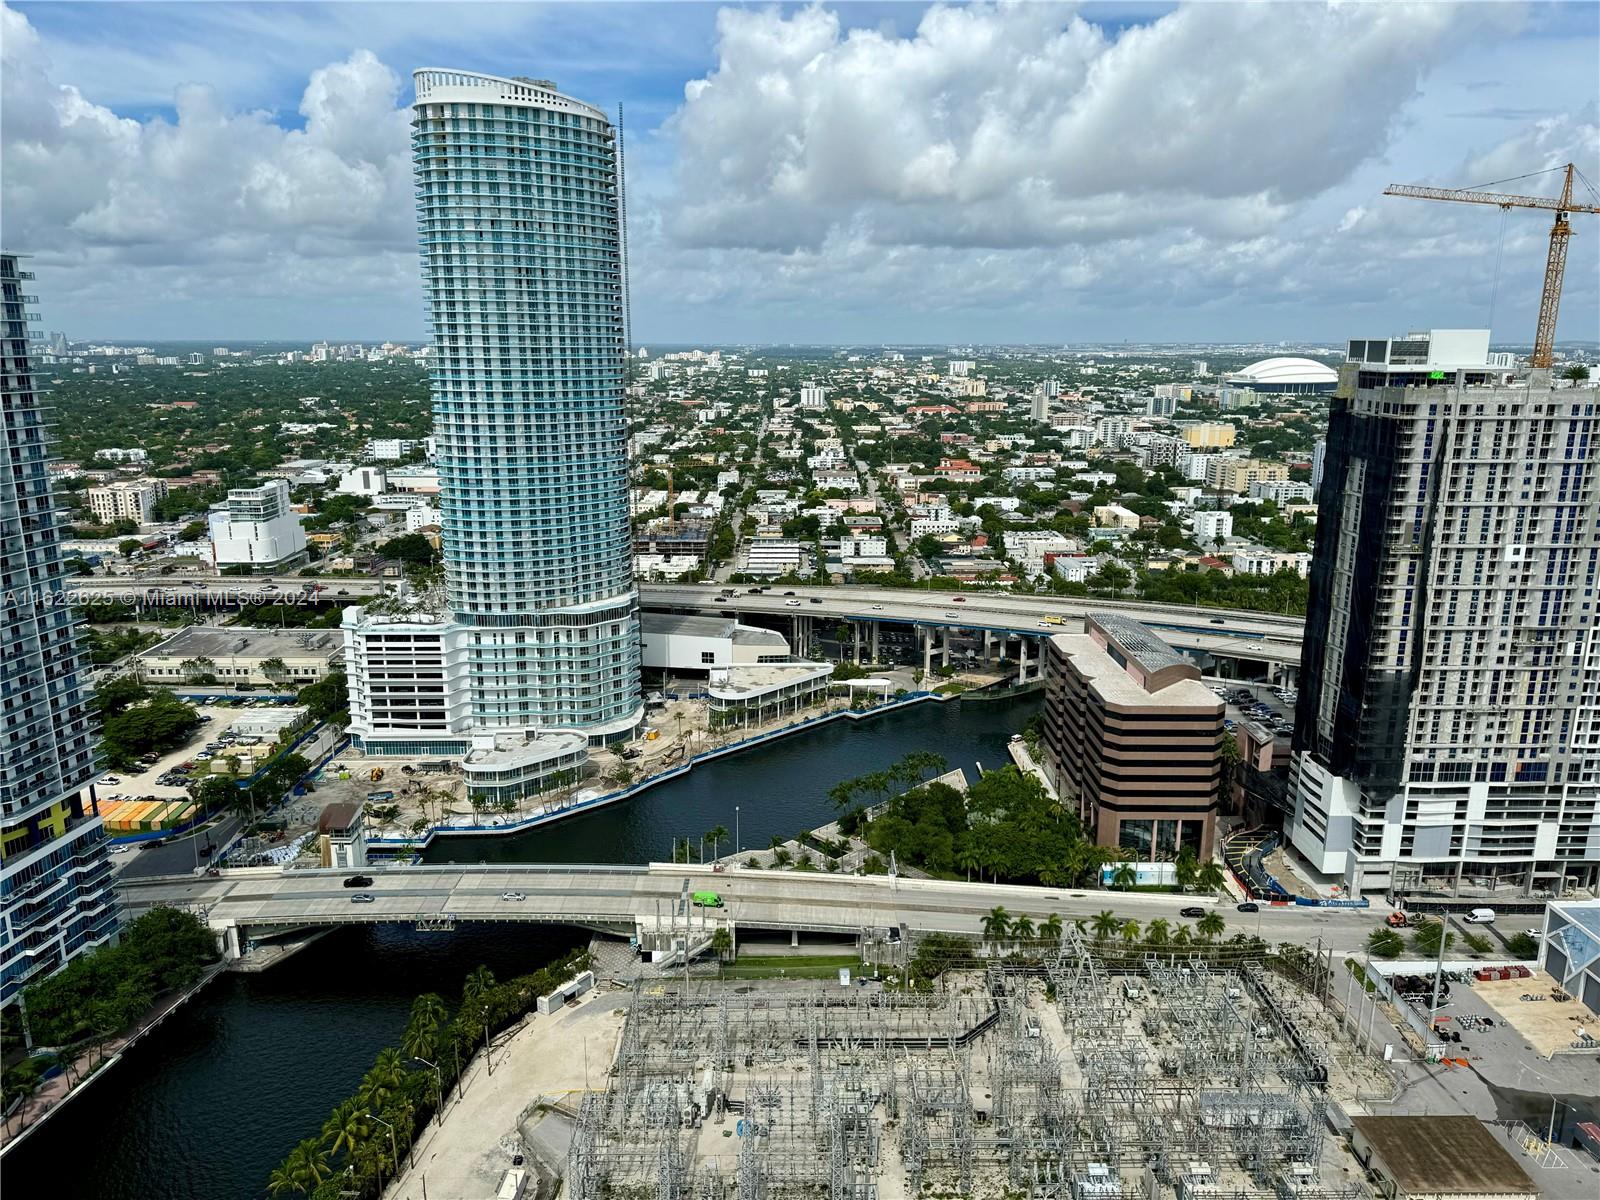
(55, 877)
(537, 630)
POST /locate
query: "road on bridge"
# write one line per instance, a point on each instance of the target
(616, 897)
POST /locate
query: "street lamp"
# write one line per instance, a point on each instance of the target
(737, 846)
(394, 1148)
(439, 1076)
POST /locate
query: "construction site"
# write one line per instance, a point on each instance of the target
(1047, 1076)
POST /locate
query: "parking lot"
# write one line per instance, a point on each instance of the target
(1268, 706)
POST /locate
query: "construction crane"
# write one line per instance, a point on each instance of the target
(1544, 340)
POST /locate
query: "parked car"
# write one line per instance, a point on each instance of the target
(1192, 911)
(358, 881)
(362, 898)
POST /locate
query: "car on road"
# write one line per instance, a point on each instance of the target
(1192, 911)
(949, 614)
(877, 608)
(959, 599)
(816, 599)
(358, 881)
(342, 592)
(792, 603)
(1218, 621)
(706, 900)
(1248, 906)
(362, 898)
(111, 779)
(788, 593)
(513, 896)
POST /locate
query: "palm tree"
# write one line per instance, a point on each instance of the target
(1185, 869)
(967, 858)
(997, 924)
(716, 835)
(1181, 936)
(1158, 931)
(1210, 926)
(1022, 929)
(1105, 924)
(1210, 878)
(1124, 876)
(1050, 928)
(721, 942)
(346, 1128)
(476, 987)
(1130, 932)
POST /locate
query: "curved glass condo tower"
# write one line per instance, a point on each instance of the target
(537, 630)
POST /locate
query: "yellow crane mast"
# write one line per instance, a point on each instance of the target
(1544, 340)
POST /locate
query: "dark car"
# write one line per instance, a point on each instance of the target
(1192, 911)
(788, 593)
(816, 599)
(1249, 906)
(1218, 621)
(358, 881)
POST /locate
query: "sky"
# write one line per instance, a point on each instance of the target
(825, 173)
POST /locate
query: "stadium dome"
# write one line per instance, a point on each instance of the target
(1286, 375)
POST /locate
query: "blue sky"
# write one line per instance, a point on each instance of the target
(821, 173)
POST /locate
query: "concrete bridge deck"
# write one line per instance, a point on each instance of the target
(623, 898)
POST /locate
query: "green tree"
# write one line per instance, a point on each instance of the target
(1385, 943)
(275, 669)
(997, 924)
(1158, 932)
(1210, 877)
(1210, 926)
(161, 723)
(128, 547)
(1577, 373)
(1124, 876)
(1105, 923)
(1523, 945)
(1130, 931)
(1050, 928)
(716, 836)
(117, 694)
(721, 942)
(1185, 869)
(346, 1128)
(1022, 928)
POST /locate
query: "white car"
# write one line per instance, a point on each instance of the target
(877, 608)
(512, 896)
(791, 604)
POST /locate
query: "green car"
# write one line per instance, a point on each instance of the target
(706, 900)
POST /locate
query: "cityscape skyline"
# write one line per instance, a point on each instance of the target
(739, 233)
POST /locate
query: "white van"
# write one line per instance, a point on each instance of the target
(1480, 916)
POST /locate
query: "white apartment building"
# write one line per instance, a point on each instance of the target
(1161, 405)
(922, 526)
(254, 527)
(1211, 526)
(1030, 546)
(770, 557)
(1113, 432)
(1448, 727)
(115, 454)
(1283, 491)
(961, 367)
(812, 396)
(126, 500)
(1261, 560)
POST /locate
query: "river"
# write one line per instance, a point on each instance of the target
(209, 1104)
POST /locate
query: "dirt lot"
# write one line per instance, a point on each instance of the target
(1549, 1027)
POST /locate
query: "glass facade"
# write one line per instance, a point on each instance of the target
(55, 895)
(517, 209)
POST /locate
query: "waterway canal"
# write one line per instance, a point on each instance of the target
(205, 1108)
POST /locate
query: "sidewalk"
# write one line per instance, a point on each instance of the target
(465, 1153)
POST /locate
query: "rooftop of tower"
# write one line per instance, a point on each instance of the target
(437, 85)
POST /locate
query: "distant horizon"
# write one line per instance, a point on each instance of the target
(938, 347)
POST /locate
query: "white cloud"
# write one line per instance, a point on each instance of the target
(1025, 124)
(216, 201)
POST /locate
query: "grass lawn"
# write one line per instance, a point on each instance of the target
(790, 966)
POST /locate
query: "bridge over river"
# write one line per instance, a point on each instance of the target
(650, 900)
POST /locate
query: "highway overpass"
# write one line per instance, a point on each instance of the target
(639, 899)
(1271, 640)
